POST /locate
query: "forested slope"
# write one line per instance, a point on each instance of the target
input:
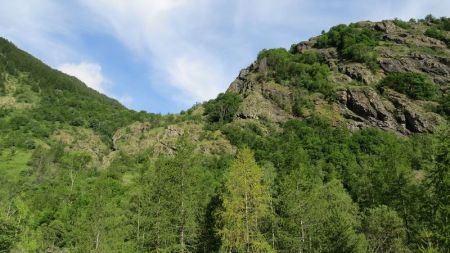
(340, 144)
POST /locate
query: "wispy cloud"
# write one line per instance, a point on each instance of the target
(39, 26)
(192, 49)
(158, 30)
(92, 75)
(89, 73)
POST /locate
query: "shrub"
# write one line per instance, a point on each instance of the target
(313, 77)
(352, 43)
(444, 105)
(402, 24)
(301, 70)
(2, 86)
(415, 85)
(223, 108)
(445, 24)
(438, 34)
(301, 102)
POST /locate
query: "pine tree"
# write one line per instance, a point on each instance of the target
(385, 230)
(246, 204)
(439, 183)
(317, 217)
(174, 202)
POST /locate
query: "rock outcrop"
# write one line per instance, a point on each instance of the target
(360, 102)
(364, 107)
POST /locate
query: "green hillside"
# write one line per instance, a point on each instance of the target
(339, 144)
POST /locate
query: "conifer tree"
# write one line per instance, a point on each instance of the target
(439, 182)
(246, 205)
(317, 217)
(174, 203)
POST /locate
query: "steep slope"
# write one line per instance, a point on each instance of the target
(33, 94)
(367, 74)
(340, 144)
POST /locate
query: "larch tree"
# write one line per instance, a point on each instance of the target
(316, 216)
(175, 201)
(246, 205)
(439, 182)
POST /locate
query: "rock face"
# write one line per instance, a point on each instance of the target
(260, 99)
(360, 103)
(141, 137)
(394, 112)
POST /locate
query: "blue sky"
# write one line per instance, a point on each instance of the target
(165, 55)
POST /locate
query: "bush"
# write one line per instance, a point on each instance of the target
(415, 85)
(300, 70)
(362, 53)
(313, 77)
(2, 86)
(352, 43)
(29, 144)
(444, 106)
(223, 108)
(402, 24)
(438, 34)
(18, 121)
(445, 24)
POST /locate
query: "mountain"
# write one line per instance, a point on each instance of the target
(339, 144)
(364, 75)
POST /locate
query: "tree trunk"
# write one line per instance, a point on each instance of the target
(97, 240)
(182, 239)
(247, 239)
(72, 179)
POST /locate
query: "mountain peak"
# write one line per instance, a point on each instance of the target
(391, 74)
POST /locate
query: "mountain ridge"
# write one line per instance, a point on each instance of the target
(339, 144)
(358, 99)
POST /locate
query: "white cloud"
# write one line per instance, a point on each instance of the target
(197, 77)
(193, 48)
(89, 73)
(38, 25)
(190, 44)
(160, 31)
(125, 100)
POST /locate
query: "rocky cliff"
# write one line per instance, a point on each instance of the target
(356, 97)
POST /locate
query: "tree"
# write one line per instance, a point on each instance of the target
(173, 204)
(385, 230)
(223, 108)
(8, 232)
(415, 85)
(246, 205)
(439, 183)
(316, 216)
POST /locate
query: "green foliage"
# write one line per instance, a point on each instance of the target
(246, 204)
(301, 102)
(299, 70)
(311, 185)
(223, 108)
(439, 182)
(169, 211)
(385, 230)
(435, 32)
(2, 85)
(445, 23)
(402, 24)
(444, 105)
(415, 85)
(317, 216)
(8, 234)
(64, 99)
(353, 43)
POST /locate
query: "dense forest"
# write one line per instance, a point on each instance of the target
(339, 144)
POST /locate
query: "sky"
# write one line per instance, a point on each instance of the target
(163, 56)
